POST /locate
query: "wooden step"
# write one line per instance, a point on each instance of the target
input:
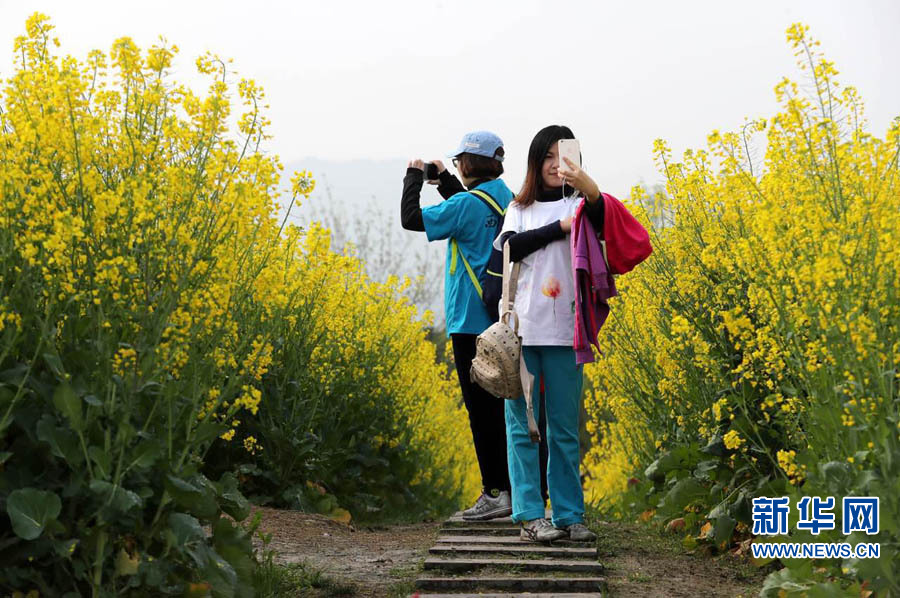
(464, 522)
(503, 540)
(512, 584)
(482, 531)
(516, 595)
(472, 564)
(458, 515)
(456, 520)
(522, 550)
(502, 522)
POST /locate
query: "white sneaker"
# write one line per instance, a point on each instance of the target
(489, 507)
(540, 530)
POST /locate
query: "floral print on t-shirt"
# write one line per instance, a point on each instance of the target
(552, 289)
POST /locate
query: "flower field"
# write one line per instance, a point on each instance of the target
(756, 353)
(167, 345)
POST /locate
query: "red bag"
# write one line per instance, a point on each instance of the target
(627, 241)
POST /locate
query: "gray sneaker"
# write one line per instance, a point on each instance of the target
(540, 530)
(579, 532)
(489, 507)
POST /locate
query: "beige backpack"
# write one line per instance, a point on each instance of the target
(499, 363)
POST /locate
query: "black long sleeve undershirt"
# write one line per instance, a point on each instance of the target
(410, 208)
(523, 244)
(410, 211)
(449, 185)
(595, 212)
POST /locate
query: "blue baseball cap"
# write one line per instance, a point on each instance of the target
(480, 143)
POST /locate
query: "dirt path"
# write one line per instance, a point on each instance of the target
(383, 562)
(377, 562)
(643, 562)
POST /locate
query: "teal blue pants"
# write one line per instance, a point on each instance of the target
(562, 395)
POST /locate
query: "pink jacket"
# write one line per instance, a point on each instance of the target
(593, 286)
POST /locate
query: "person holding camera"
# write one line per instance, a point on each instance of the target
(537, 226)
(468, 219)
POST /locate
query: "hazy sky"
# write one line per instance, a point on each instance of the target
(400, 79)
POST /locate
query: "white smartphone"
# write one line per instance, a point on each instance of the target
(571, 149)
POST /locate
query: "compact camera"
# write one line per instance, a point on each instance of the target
(431, 171)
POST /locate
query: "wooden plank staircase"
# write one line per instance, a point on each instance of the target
(487, 559)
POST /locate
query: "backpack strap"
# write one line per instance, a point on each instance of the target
(454, 246)
(507, 312)
(471, 272)
(486, 198)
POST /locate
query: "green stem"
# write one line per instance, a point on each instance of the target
(98, 566)
(20, 390)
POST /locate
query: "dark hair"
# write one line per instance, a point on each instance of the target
(540, 145)
(480, 167)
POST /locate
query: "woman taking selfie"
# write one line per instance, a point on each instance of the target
(467, 219)
(536, 225)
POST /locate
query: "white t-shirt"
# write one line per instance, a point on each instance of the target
(545, 297)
